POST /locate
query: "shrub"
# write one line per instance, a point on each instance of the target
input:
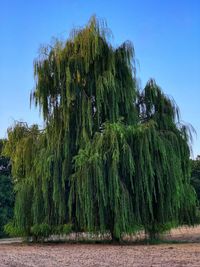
(13, 231)
(67, 228)
(62, 229)
(40, 231)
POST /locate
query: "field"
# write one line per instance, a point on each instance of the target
(186, 252)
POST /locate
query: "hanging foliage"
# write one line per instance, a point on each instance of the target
(111, 158)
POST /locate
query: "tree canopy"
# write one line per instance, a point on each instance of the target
(112, 157)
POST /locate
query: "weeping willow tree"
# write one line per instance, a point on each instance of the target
(111, 158)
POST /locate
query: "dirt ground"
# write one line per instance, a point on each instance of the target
(78, 255)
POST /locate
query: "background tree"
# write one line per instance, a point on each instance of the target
(6, 191)
(111, 158)
(195, 175)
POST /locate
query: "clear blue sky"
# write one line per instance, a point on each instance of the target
(166, 36)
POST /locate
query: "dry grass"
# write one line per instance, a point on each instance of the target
(78, 255)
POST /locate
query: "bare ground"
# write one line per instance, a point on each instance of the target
(79, 255)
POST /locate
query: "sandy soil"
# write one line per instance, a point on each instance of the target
(78, 255)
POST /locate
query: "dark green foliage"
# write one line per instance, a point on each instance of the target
(6, 191)
(195, 176)
(111, 158)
